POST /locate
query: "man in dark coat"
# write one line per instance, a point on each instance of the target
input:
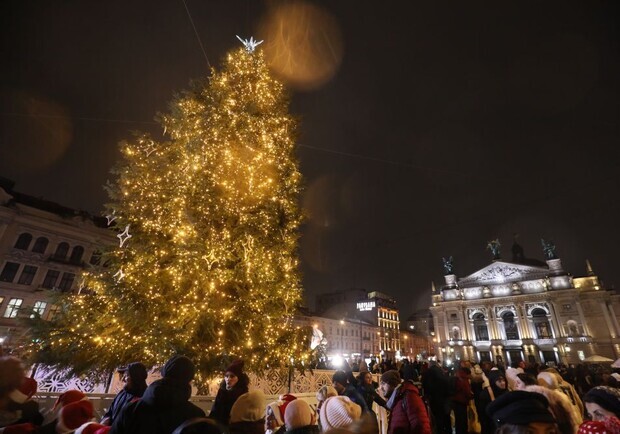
(135, 378)
(407, 410)
(165, 404)
(436, 387)
(340, 381)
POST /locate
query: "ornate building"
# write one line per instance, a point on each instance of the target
(43, 248)
(525, 310)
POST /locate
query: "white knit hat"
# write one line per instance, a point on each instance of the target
(298, 414)
(338, 412)
(249, 407)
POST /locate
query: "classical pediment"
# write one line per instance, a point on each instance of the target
(503, 272)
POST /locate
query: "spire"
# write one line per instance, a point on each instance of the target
(589, 269)
(433, 288)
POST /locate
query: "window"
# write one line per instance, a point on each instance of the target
(39, 308)
(510, 326)
(480, 327)
(452, 316)
(66, 282)
(27, 275)
(76, 254)
(13, 307)
(40, 245)
(23, 241)
(9, 272)
(61, 251)
(50, 279)
(95, 258)
(52, 312)
(543, 328)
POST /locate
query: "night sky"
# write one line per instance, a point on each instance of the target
(426, 130)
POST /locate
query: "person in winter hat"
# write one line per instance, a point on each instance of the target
(609, 425)
(407, 410)
(368, 389)
(568, 420)
(521, 412)
(201, 425)
(339, 412)
(235, 384)
(602, 402)
(20, 401)
(135, 375)
(11, 376)
(52, 419)
(165, 403)
(498, 387)
(274, 414)
(340, 381)
(247, 413)
(300, 418)
(74, 415)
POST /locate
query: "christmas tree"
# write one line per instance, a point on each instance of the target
(206, 261)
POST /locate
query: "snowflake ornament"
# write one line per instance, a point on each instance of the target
(249, 44)
(124, 236)
(119, 275)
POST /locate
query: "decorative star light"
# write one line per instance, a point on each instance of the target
(119, 275)
(150, 149)
(124, 236)
(249, 44)
(111, 218)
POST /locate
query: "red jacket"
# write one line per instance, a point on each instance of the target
(463, 393)
(408, 413)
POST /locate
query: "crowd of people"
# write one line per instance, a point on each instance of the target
(419, 398)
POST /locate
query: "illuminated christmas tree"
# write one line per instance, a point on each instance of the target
(206, 264)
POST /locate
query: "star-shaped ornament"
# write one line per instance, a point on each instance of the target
(150, 149)
(119, 275)
(249, 44)
(124, 236)
(110, 218)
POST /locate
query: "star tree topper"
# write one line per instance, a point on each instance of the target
(249, 44)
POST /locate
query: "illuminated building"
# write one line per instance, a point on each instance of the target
(43, 248)
(525, 310)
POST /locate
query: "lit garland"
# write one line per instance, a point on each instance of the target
(211, 268)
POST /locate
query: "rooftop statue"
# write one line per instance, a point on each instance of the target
(448, 266)
(494, 247)
(548, 249)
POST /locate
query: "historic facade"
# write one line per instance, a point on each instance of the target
(43, 249)
(525, 310)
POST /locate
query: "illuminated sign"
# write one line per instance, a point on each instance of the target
(365, 305)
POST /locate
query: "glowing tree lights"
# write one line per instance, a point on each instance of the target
(207, 222)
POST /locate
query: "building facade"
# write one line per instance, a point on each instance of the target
(538, 312)
(43, 249)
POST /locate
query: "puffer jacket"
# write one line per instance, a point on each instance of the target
(408, 413)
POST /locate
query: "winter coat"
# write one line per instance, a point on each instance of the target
(225, 399)
(560, 405)
(124, 397)
(463, 393)
(164, 406)
(246, 427)
(436, 385)
(407, 411)
(308, 429)
(370, 395)
(351, 392)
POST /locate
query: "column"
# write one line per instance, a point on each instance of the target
(586, 329)
(610, 327)
(492, 324)
(614, 318)
(521, 322)
(556, 330)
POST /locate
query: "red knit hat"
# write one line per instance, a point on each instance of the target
(22, 428)
(68, 397)
(74, 415)
(25, 391)
(90, 428)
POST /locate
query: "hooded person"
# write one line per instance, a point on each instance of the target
(340, 382)
(602, 402)
(300, 418)
(247, 414)
(497, 388)
(569, 390)
(165, 404)
(568, 420)
(235, 384)
(135, 385)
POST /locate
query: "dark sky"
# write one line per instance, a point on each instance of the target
(442, 127)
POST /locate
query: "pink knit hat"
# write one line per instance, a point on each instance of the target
(339, 412)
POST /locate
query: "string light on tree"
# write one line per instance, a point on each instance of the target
(212, 269)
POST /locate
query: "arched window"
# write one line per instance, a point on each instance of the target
(40, 245)
(543, 328)
(23, 241)
(510, 326)
(61, 251)
(76, 254)
(480, 327)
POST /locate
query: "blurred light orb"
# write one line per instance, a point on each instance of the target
(303, 44)
(36, 132)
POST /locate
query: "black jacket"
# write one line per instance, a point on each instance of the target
(161, 410)
(308, 429)
(122, 399)
(225, 399)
